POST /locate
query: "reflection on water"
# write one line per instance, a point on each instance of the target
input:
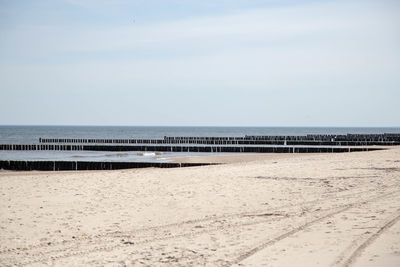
(94, 156)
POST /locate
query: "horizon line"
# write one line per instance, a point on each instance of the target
(193, 126)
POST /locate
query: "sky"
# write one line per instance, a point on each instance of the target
(200, 63)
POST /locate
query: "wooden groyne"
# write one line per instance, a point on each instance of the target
(244, 144)
(191, 148)
(88, 165)
(22, 147)
(248, 144)
(306, 140)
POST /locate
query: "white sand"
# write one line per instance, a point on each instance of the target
(302, 210)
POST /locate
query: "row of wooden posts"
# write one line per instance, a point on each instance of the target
(188, 148)
(329, 137)
(386, 137)
(88, 165)
(220, 142)
(21, 147)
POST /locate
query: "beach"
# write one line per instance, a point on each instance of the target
(256, 210)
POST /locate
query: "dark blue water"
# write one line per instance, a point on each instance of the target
(31, 135)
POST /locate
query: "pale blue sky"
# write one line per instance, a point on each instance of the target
(191, 63)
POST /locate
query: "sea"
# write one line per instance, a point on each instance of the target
(31, 134)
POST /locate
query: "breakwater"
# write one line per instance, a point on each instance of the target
(306, 140)
(244, 144)
(192, 148)
(88, 165)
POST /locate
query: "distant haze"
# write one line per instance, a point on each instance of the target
(215, 63)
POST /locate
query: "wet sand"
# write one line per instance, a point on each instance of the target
(224, 158)
(258, 210)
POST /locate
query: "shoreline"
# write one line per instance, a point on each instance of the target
(225, 158)
(241, 157)
(171, 162)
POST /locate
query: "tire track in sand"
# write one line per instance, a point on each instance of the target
(333, 195)
(97, 242)
(358, 246)
(304, 226)
(189, 232)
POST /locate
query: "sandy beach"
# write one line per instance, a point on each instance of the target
(256, 210)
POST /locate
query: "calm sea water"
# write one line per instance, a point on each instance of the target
(31, 135)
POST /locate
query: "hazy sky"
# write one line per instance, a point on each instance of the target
(216, 63)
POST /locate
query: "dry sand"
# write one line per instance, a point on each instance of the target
(279, 210)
